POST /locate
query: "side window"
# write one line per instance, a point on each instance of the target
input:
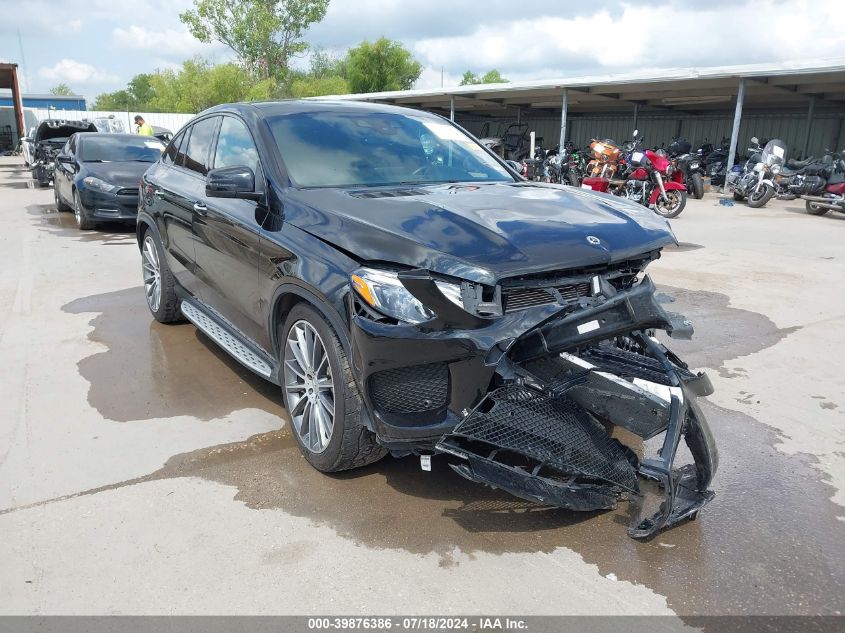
(199, 144)
(235, 146)
(169, 156)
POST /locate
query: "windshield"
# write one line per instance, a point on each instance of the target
(342, 149)
(103, 148)
(774, 152)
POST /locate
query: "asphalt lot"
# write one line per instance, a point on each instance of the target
(142, 471)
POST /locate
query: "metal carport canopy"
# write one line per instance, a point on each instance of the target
(788, 85)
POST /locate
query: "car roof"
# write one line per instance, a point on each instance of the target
(295, 106)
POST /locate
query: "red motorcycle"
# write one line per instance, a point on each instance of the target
(647, 179)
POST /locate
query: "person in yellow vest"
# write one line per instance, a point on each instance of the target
(144, 128)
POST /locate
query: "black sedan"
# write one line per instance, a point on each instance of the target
(97, 175)
(409, 293)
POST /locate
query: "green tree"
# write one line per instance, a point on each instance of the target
(264, 34)
(62, 90)
(310, 86)
(469, 79)
(490, 77)
(493, 77)
(380, 66)
(117, 100)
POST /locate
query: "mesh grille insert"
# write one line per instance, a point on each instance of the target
(554, 431)
(414, 389)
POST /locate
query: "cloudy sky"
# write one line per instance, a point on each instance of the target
(97, 45)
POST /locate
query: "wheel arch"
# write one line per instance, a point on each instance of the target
(287, 295)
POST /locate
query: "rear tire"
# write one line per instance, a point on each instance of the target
(348, 444)
(738, 197)
(814, 209)
(159, 282)
(755, 202)
(697, 186)
(572, 178)
(61, 206)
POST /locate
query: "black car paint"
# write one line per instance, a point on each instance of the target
(70, 174)
(248, 262)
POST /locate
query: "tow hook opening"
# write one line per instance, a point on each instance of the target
(545, 434)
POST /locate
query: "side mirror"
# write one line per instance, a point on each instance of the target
(237, 181)
(64, 158)
(635, 133)
(754, 139)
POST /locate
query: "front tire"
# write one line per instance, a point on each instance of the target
(760, 197)
(159, 282)
(814, 209)
(322, 397)
(82, 220)
(671, 208)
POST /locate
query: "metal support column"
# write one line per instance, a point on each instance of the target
(452, 108)
(740, 96)
(636, 115)
(811, 109)
(563, 110)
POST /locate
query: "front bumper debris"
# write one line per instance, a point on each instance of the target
(527, 401)
(542, 437)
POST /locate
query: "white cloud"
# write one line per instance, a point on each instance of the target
(635, 37)
(72, 71)
(169, 43)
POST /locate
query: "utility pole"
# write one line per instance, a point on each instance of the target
(23, 63)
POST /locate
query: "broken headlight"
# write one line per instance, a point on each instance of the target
(382, 290)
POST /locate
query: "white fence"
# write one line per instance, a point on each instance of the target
(125, 120)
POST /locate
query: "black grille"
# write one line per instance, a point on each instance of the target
(127, 192)
(411, 389)
(554, 431)
(521, 298)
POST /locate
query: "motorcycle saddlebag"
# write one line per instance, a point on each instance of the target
(805, 185)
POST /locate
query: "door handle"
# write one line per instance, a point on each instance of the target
(200, 208)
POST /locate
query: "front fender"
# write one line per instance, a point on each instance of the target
(668, 186)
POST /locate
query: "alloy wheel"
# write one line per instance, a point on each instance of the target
(309, 386)
(152, 273)
(77, 209)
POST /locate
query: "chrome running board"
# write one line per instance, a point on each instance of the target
(225, 338)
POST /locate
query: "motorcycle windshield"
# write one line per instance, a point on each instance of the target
(774, 152)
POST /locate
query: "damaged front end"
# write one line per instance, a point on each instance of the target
(526, 392)
(50, 136)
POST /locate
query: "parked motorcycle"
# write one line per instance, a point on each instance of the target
(822, 185)
(687, 168)
(647, 181)
(716, 162)
(560, 167)
(755, 181)
(606, 154)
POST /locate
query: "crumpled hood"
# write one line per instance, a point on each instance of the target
(482, 232)
(122, 174)
(59, 128)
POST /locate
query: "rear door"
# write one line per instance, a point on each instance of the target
(227, 237)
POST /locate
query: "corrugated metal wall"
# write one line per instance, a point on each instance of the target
(826, 130)
(170, 120)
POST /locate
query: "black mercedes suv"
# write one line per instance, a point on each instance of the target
(410, 293)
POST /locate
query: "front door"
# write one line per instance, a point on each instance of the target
(227, 237)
